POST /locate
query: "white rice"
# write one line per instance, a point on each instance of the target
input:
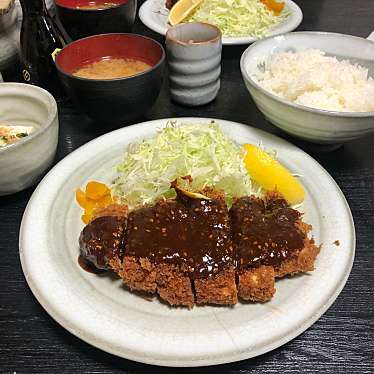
(312, 79)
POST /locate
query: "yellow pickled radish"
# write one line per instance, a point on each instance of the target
(96, 190)
(181, 10)
(271, 175)
(86, 218)
(96, 195)
(105, 201)
(80, 197)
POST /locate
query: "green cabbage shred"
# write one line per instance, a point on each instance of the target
(200, 150)
(238, 18)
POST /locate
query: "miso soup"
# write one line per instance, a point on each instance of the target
(100, 6)
(112, 68)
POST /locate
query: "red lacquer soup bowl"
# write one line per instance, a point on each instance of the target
(112, 100)
(82, 18)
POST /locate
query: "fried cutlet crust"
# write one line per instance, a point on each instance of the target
(174, 286)
(258, 284)
(137, 273)
(305, 258)
(118, 210)
(218, 289)
(167, 280)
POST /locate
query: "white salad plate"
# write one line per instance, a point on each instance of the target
(97, 309)
(155, 16)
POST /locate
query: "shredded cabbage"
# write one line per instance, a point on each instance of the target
(238, 17)
(200, 150)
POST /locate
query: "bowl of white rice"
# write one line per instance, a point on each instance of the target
(314, 85)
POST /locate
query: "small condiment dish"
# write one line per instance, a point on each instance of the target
(194, 60)
(24, 162)
(80, 22)
(314, 125)
(112, 100)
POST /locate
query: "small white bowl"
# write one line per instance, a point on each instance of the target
(314, 125)
(24, 162)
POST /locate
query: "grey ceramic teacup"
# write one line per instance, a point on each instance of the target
(194, 59)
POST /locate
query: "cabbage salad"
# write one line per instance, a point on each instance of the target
(237, 18)
(200, 150)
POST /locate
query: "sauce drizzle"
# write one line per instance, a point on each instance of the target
(89, 266)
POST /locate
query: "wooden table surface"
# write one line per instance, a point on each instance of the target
(342, 341)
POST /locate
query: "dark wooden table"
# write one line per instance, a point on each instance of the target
(342, 341)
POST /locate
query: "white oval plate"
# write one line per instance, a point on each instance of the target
(155, 16)
(100, 311)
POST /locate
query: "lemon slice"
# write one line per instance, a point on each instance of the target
(181, 10)
(271, 175)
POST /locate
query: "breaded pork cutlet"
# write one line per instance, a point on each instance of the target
(270, 241)
(177, 246)
(193, 250)
(101, 240)
(148, 238)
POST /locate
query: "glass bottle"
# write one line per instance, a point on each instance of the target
(40, 41)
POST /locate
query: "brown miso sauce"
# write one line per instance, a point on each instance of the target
(89, 266)
(264, 233)
(191, 233)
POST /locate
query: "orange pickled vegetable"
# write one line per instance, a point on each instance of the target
(105, 201)
(84, 201)
(86, 218)
(80, 197)
(275, 6)
(90, 208)
(96, 190)
(97, 195)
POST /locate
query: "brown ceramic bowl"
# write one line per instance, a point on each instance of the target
(112, 100)
(81, 19)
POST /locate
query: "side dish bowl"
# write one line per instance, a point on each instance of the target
(315, 125)
(24, 162)
(119, 99)
(81, 21)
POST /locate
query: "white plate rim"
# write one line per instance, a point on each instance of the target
(291, 24)
(36, 285)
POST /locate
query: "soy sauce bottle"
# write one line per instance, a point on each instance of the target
(40, 41)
